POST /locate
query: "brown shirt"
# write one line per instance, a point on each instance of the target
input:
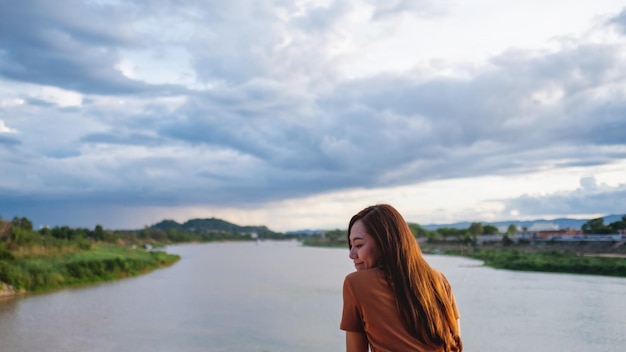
(369, 306)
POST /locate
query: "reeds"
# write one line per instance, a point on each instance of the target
(64, 267)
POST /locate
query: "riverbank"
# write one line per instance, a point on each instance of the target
(20, 275)
(9, 291)
(574, 258)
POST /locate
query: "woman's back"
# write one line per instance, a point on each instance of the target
(370, 307)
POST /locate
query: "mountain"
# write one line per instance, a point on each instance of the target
(210, 225)
(167, 225)
(562, 223)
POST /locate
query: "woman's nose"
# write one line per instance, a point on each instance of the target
(352, 253)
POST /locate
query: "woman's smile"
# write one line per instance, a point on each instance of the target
(364, 251)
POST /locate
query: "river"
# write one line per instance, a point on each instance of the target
(280, 296)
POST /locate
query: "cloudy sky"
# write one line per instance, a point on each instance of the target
(296, 114)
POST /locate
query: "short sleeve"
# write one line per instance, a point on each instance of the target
(351, 319)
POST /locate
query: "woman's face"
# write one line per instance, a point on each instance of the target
(363, 249)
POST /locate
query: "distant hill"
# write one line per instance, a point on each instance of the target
(562, 223)
(218, 225)
(210, 225)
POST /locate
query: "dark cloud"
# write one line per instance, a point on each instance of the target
(38, 102)
(62, 153)
(122, 138)
(591, 161)
(108, 211)
(398, 129)
(528, 104)
(8, 141)
(75, 47)
(261, 119)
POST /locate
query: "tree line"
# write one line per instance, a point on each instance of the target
(19, 235)
(597, 226)
(467, 235)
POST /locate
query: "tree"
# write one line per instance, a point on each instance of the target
(452, 232)
(511, 230)
(23, 237)
(618, 225)
(144, 234)
(98, 233)
(433, 236)
(22, 223)
(26, 224)
(158, 235)
(62, 233)
(476, 229)
(490, 230)
(418, 231)
(336, 236)
(596, 226)
(45, 231)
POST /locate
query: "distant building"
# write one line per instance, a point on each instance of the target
(559, 233)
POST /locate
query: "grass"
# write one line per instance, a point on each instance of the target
(99, 263)
(551, 261)
(562, 260)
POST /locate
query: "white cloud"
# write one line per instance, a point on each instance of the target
(11, 102)
(5, 129)
(464, 33)
(170, 65)
(61, 97)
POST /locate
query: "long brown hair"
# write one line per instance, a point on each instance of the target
(421, 292)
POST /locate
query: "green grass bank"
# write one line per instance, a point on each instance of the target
(573, 258)
(101, 262)
(547, 260)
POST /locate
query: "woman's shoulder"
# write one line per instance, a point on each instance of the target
(365, 275)
(365, 282)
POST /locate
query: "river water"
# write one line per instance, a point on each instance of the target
(280, 296)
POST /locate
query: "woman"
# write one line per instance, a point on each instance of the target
(394, 301)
